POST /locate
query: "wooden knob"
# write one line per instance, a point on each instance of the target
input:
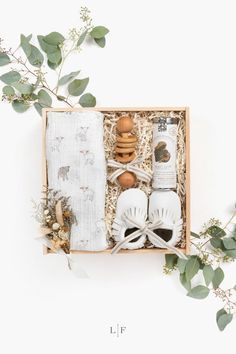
(127, 179)
(125, 124)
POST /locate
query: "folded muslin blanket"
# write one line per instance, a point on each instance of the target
(76, 167)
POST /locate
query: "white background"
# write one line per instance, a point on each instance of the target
(158, 53)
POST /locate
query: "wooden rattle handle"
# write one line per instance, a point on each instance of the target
(125, 149)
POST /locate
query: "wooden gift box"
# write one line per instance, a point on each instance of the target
(184, 111)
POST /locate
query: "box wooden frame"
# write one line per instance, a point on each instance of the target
(127, 109)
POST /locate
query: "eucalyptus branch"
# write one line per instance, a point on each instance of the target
(23, 94)
(209, 255)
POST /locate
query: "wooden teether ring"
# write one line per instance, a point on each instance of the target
(126, 145)
(129, 139)
(125, 159)
(123, 150)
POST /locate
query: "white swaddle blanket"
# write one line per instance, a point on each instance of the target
(76, 166)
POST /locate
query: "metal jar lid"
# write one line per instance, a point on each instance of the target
(165, 120)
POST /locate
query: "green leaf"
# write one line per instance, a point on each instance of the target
(100, 41)
(99, 32)
(10, 77)
(87, 100)
(61, 98)
(39, 108)
(77, 87)
(230, 253)
(216, 243)
(44, 98)
(33, 54)
(55, 57)
(223, 319)
(193, 234)
(36, 57)
(25, 89)
(181, 264)
(65, 79)
(216, 231)
(229, 243)
(4, 59)
(192, 267)
(25, 45)
(171, 260)
(47, 48)
(8, 90)
(208, 273)
(218, 277)
(54, 38)
(199, 292)
(20, 106)
(186, 284)
(54, 66)
(82, 38)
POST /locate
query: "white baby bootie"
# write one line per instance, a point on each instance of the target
(165, 210)
(131, 205)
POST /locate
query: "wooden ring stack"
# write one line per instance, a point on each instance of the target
(126, 143)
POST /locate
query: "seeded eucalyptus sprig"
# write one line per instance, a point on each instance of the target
(212, 247)
(26, 83)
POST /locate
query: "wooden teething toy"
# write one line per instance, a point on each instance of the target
(126, 143)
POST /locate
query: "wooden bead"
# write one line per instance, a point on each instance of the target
(124, 150)
(125, 124)
(129, 139)
(125, 158)
(126, 145)
(127, 179)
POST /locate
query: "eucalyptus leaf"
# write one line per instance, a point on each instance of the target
(36, 57)
(216, 231)
(54, 66)
(193, 234)
(77, 87)
(39, 108)
(218, 277)
(54, 38)
(223, 319)
(87, 100)
(186, 283)
(220, 313)
(10, 77)
(82, 38)
(199, 292)
(230, 253)
(99, 32)
(65, 79)
(4, 59)
(8, 90)
(25, 45)
(61, 98)
(229, 243)
(192, 267)
(44, 98)
(25, 89)
(216, 243)
(181, 264)
(171, 260)
(47, 48)
(100, 41)
(20, 106)
(208, 273)
(55, 57)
